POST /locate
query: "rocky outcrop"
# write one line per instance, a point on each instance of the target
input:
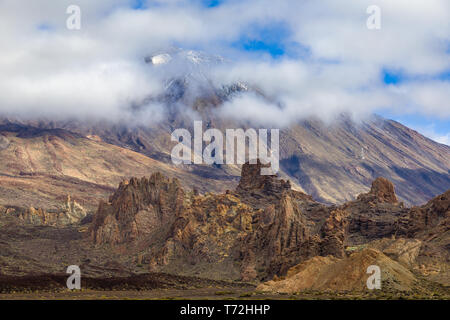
(138, 208)
(71, 212)
(430, 220)
(334, 233)
(382, 191)
(375, 214)
(256, 232)
(4, 142)
(253, 182)
(280, 239)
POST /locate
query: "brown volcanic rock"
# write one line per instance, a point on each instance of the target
(375, 214)
(71, 212)
(136, 209)
(431, 223)
(39, 167)
(334, 233)
(252, 181)
(258, 231)
(382, 191)
(262, 226)
(430, 220)
(205, 234)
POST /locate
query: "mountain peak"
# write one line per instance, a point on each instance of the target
(181, 56)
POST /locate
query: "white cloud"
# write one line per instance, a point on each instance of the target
(444, 139)
(98, 70)
(431, 132)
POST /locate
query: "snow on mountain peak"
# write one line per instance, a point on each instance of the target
(191, 72)
(160, 59)
(187, 57)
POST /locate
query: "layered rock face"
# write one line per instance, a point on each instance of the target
(375, 214)
(430, 220)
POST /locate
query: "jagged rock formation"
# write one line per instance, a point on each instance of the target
(40, 166)
(70, 212)
(431, 220)
(382, 191)
(252, 181)
(334, 233)
(258, 231)
(375, 214)
(136, 209)
(255, 232)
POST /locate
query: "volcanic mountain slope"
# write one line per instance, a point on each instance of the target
(41, 167)
(333, 162)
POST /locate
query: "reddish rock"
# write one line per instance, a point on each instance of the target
(334, 232)
(382, 191)
(252, 181)
(258, 231)
(136, 209)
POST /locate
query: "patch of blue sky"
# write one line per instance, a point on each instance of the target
(44, 27)
(392, 76)
(145, 4)
(138, 4)
(397, 77)
(212, 3)
(271, 38)
(429, 126)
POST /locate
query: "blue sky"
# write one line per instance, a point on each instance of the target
(435, 127)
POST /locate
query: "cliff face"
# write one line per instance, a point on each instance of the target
(430, 220)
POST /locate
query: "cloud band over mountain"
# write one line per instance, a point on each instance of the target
(312, 58)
